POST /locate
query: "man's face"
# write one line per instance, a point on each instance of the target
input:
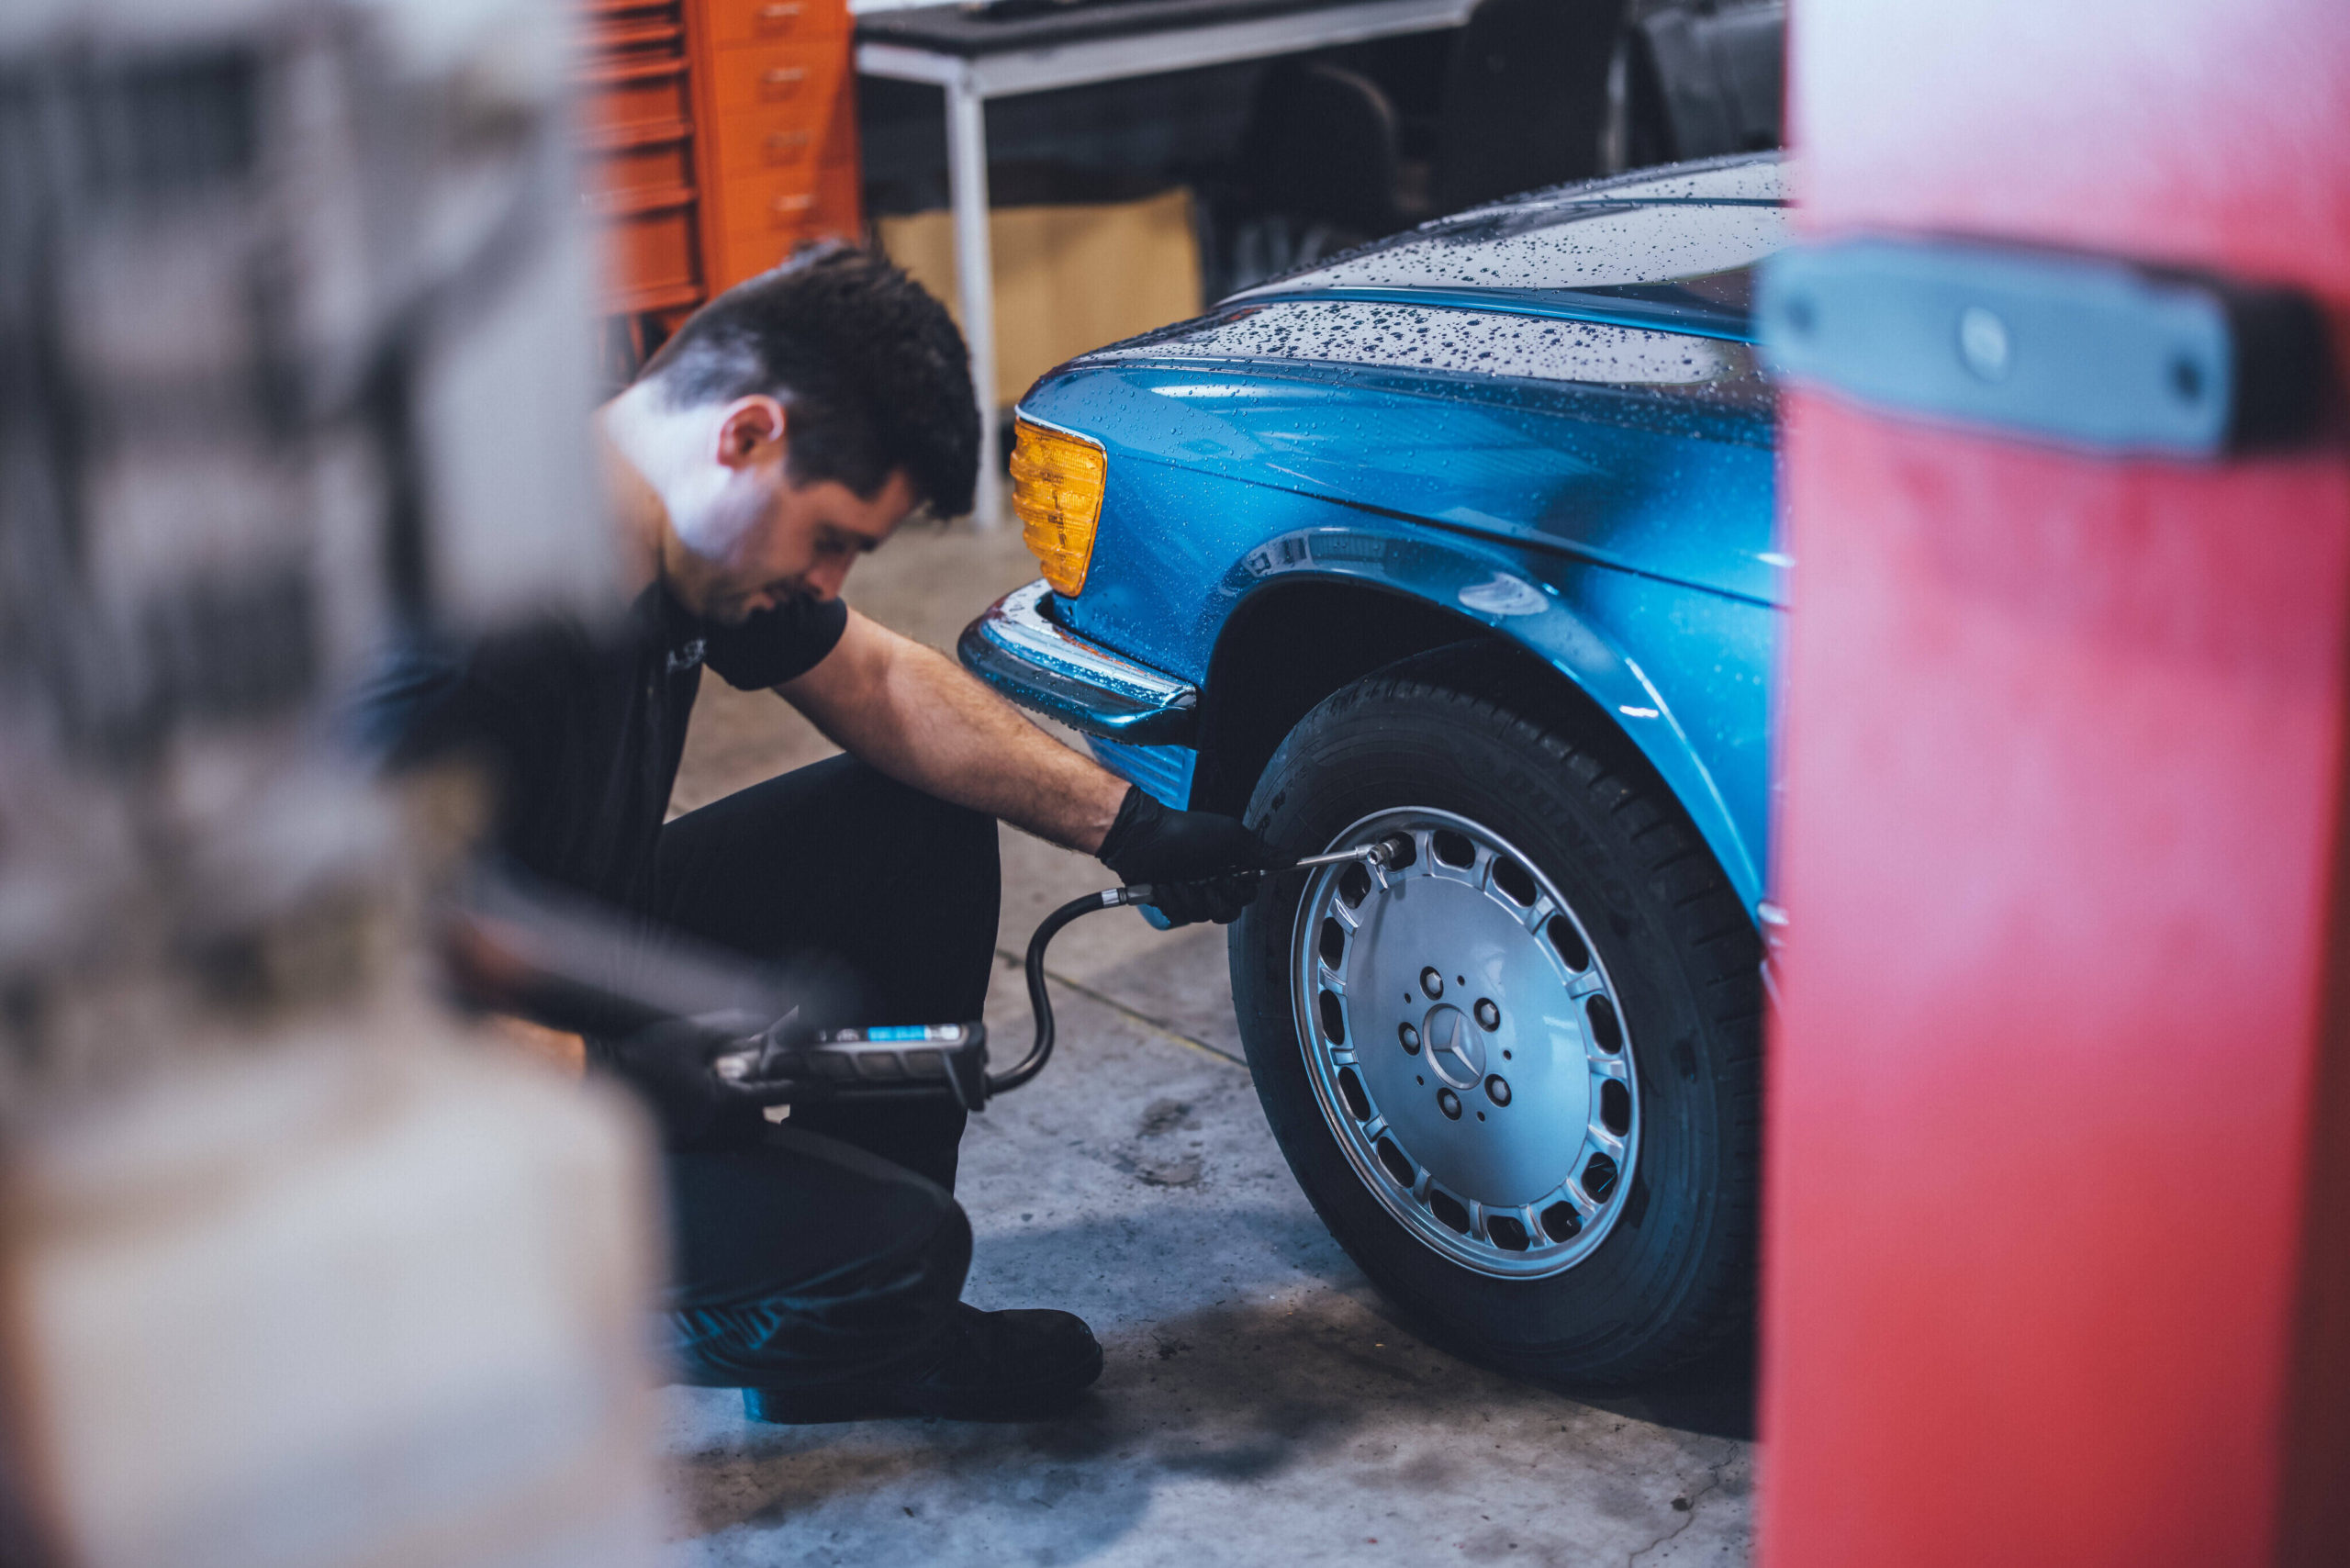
(747, 539)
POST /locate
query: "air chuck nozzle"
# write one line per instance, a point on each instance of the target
(1389, 853)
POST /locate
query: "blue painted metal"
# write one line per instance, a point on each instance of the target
(1164, 771)
(1681, 671)
(1668, 481)
(2079, 350)
(1619, 530)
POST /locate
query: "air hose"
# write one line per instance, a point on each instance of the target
(895, 1060)
(1040, 1001)
(1396, 850)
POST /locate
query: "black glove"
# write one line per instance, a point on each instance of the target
(669, 1065)
(1200, 865)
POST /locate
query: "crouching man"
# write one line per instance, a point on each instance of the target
(787, 429)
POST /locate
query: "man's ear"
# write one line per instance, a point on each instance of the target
(749, 427)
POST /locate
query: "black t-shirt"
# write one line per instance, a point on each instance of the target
(583, 733)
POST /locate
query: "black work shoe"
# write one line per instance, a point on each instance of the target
(991, 1366)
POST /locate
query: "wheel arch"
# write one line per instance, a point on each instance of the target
(1287, 646)
(1300, 637)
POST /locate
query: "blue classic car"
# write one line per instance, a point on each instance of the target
(1463, 540)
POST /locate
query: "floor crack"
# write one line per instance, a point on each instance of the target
(1713, 1480)
(1145, 1019)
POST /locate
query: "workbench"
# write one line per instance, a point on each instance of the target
(975, 55)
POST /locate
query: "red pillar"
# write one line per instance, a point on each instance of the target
(2058, 1230)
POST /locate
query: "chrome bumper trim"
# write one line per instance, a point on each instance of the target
(1022, 651)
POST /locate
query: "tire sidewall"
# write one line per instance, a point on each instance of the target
(1382, 746)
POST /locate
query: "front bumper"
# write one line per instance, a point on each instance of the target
(1017, 648)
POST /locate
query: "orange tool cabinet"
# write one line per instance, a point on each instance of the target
(716, 135)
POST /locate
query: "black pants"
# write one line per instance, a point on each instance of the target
(829, 1247)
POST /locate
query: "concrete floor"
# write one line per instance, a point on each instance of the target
(1260, 1406)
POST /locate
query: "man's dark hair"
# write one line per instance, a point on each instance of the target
(871, 367)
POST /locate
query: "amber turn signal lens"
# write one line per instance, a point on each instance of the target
(1057, 482)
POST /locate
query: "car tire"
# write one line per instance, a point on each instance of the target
(1663, 1269)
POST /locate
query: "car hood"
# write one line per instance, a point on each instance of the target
(1668, 248)
(1653, 480)
(1568, 370)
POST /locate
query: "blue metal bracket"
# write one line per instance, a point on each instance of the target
(2079, 350)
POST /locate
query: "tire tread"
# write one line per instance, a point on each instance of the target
(1720, 953)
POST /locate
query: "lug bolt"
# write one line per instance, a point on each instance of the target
(1411, 1038)
(1497, 1089)
(1432, 982)
(1489, 1017)
(1449, 1103)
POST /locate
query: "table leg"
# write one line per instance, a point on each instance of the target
(967, 180)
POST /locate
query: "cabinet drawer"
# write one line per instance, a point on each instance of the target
(733, 22)
(605, 38)
(622, 94)
(759, 150)
(792, 199)
(753, 142)
(768, 218)
(781, 203)
(763, 76)
(598, 13)
(609, 166)
(650, 258)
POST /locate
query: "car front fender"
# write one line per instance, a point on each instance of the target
(1679, 672)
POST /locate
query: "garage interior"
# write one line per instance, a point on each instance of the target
(1889, 466)
(1259, 1390)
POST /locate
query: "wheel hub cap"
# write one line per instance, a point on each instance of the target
(1454, 1048)
(1466, 1045)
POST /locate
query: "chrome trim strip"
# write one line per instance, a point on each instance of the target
(1021, 416)
(1022, 651)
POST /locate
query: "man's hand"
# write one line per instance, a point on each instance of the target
(1201, 865)
(672, 1065)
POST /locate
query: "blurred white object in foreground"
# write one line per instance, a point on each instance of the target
(347, 1302)
(293, 358)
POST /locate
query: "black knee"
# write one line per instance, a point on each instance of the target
(907, 1287)
(868, 1313)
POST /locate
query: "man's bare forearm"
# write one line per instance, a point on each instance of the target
(963, 742)
(917, 716)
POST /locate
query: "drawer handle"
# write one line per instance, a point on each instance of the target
(785, 75)
(787, 141)
(777, 13)
(786, 205)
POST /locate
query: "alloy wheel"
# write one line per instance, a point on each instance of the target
(1466, 1045)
